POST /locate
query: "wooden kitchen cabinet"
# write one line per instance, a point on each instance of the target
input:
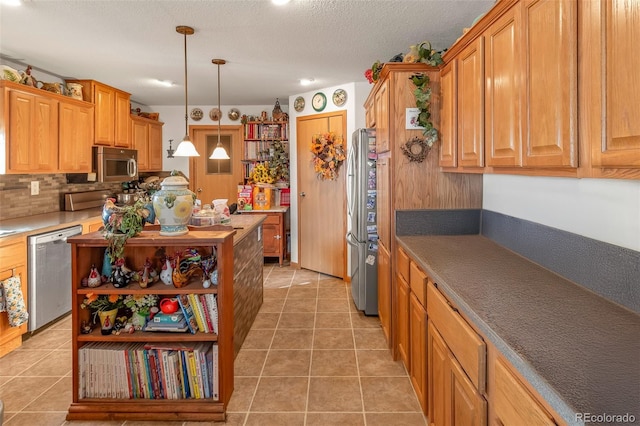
(146, 137)
(370, 113)
(609, 88)
(13, 252)
(76, 136)
(550, 81)
(512, 403)
(111, 115)
(273, 232)
(470, 105)
(449, 116)
(418, 346)
(403, 342)
(381, 114)
(31, 130)
(453, 398)
(384, 291)
(503, 94)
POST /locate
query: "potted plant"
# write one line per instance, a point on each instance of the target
(140, 306)
(279, 163)
(122, 223)
(105, 306)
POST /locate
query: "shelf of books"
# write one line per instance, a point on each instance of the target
(178, 364)
(258, 136)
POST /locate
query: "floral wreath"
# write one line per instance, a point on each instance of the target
(329, 154)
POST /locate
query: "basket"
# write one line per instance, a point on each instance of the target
(285, 197)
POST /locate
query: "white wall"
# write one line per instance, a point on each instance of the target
(356, 95)
(173, 118)
(603, 209)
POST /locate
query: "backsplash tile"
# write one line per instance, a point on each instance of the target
(16, 199)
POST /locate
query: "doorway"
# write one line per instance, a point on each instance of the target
(322, 203)
(216, 179)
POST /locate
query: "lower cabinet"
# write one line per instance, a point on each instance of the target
(453, 398)
(512, 403)
(384, 291)
(418, 357)
(13, 253)
(403, 323)
(273, 233)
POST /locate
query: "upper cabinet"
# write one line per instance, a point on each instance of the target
(146, 137)
(76, 136)
(112, 113)
(32, 133)
(515, 73)
(609, 86)
(381, 117)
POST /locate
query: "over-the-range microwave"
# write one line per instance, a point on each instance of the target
(115, 164)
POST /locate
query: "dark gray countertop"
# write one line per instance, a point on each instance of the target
(580, 351)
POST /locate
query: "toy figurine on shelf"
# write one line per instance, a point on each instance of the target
(182, 275)
(94, 279)
(208, 265)
(121, 275)
(147, 275)
(167, 272)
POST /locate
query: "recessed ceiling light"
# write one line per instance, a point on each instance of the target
(11, 2)
(280, 2)
(306, 81)
(165, 83)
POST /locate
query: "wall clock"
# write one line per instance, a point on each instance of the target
(319, 101)
(298, 104)
(339, 97)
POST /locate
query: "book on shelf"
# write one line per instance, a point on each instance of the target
(197, 311)
(187, 310)
(212, 306)
(161, 317)
(176, 327)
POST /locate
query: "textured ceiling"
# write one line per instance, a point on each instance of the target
(268, 48)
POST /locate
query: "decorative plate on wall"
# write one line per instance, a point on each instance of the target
(319, 101)
(215, 114)
(234, 114)
(339, 97)
(196, 114)
(298, 104)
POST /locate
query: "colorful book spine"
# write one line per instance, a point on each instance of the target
(205, 309)
(193, 301)
(187, 310)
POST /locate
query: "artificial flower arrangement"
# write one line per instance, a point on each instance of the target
(141, 303)
(261, 173)
(329, 154)
(102, 302)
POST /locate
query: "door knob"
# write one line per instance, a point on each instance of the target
(302, 194)
(199, 189)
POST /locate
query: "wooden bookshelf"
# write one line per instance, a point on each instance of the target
(89, 250)
(258, 137)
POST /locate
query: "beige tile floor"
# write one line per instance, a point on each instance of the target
(310, 359)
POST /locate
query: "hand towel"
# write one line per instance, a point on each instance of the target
(14, 301)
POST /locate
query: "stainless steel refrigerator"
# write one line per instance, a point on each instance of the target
(362, 236)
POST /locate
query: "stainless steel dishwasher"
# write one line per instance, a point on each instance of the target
(49, 279)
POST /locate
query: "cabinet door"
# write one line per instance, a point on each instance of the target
(140, 139)
(383, 179)
(470, 117)
(270, 236)
(155, 147)
(104, 100)
(121, 119)
(512, 403)
(418, 358)
(549, 31)
(468, 407)
(611, 30)
(448, 119)
(33, 133)
(437, 377)
(382, 118)
(14, 262)
(370, 113)
(76, 136)
(503, 102)
(384, 290)
(402, 329)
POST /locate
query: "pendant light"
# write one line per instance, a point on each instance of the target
(219, 153)
(186, 147)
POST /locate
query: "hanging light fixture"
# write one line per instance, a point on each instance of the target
(170, 151)
(186, 147)
(219, 153)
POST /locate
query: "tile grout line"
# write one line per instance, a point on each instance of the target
(313, 336)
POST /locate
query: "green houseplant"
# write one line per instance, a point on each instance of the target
(122, 223)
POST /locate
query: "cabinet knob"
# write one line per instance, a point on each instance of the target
(302, 194)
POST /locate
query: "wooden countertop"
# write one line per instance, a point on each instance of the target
(580, 351)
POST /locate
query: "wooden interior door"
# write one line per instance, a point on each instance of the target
(215, 179)
(322, 203)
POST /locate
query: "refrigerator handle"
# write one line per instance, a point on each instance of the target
(350, 239)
